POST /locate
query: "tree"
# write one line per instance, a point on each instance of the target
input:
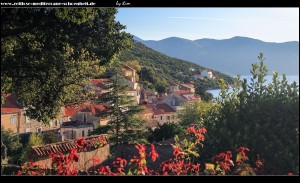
(136, 66)
(122, 110)
(201, 90)
(164, 132)
(34, 140)
(50, 137)
(263, 117)
(47, 54)
(12, 144)
(193, 113)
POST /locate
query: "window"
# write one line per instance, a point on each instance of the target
(160, 117)
(56, 123)
(169, 117)
(13, 120)
(82, 133)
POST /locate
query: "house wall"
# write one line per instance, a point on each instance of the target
(6, 121)
(164, 118)
(70, 132)
(28, 125)
(90, 118)
(169, 100)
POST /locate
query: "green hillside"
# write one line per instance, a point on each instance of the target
(165, 67)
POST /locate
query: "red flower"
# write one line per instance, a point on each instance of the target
(153, 153)
(142, 150)
(177, 151)
(95, 161)
(191, 129)
(19, 172)
(80, 143)
(290, 174)
(259, 164)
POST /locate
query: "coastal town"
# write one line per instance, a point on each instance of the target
(78, 120)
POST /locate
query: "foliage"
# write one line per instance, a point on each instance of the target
(50, 137)
(14, 147)
(202, 86)
(47, 54)
(135, 65)
(194, 113)
(122, 110)
(263, 117)
(184, 161)
(164, 131)
(34, 140)
(164, 68)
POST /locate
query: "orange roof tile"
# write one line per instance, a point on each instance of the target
(72, 109)
(64, 147)
(126, 67)
(9, 106)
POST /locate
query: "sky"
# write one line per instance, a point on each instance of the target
(267, 24)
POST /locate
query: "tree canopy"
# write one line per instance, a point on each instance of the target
(47, 54)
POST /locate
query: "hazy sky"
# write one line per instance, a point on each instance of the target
(267, 24)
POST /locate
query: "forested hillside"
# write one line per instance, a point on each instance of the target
(164, 67)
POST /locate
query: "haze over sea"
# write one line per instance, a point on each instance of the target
(289, 78)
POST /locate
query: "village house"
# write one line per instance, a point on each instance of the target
(177, 97)
(128, 78)
(158, 113)
(13, 117)
(204, 74)
(82, 119)
(187, 86)
(100, 86)
(207, 73)
(11, 114)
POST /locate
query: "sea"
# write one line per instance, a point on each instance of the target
(289, 78)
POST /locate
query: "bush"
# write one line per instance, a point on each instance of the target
(164, 131)
(264, 118)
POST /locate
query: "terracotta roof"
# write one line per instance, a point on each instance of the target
(9, 106)
(180, 92)
(147, 110)
(72, 109)
(158, 109)
(186, 86)
(126, 67)
(100, 82)
(64, 147)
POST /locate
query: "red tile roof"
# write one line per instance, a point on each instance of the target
(180, 92)
(100, 82)
(186, 86)
(65, 147)
(158, 109)
(72, 109)
(9, 106)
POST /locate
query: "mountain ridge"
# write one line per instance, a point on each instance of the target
(232, 56)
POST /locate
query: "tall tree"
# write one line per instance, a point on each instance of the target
(47, 54)
(122, 110)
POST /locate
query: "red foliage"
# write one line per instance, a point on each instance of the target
(180, 164)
